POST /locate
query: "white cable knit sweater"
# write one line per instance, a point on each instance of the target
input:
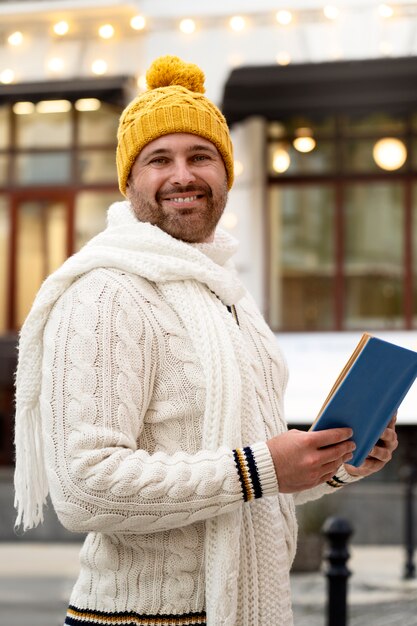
(147, 421)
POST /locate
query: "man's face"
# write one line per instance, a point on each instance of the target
(178, 183)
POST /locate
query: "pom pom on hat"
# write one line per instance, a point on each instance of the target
(169, 70)
(173, 103)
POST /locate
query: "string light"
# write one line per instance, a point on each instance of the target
(187, 26)
(15, 39)
(331, 12)
(304, 141)
(61, 28)
(106, 31)
(138, 22)
(237, 23)
(385, 10)
(284, 17)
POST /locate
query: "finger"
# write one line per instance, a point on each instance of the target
(331, 436)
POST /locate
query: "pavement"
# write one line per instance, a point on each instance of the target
(36, 581)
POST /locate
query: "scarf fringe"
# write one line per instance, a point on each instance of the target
(30, 481)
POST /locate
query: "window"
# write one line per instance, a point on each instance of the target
(341, 205)
(57, 178)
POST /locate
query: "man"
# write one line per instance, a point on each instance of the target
(149, 394)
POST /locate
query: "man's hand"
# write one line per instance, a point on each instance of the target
(379, 455)
(306, 459)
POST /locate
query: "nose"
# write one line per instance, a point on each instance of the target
(182, 173)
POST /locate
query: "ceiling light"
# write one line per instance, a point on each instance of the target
(331, 12)
(23, 108)
(304, 141)
(99, 67)
(7, 76)
(61, 28)
(283, 58)
(187, 26)
(138, 22)
(385, 10)
(284, 17)
(106, 31)
(237, 23)
(304, 144)
(53, 106)
(87, 104)
(389, 153)
(15, 39)
(280, 161)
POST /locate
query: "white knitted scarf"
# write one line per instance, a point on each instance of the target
(183, 273)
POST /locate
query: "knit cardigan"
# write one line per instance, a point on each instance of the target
(143, 408)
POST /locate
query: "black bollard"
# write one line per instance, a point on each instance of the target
(410, 475)
(337, 532)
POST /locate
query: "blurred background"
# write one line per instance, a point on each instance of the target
(322, 102)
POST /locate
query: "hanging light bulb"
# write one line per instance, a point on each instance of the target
(389, 153)
(280, 161)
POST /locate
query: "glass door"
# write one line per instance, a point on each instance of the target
(41, 244)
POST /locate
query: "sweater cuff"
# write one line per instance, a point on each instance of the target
(256, 471)
(342, 478)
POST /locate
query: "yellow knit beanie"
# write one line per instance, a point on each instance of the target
(173, 103)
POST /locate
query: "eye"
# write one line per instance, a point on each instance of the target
(201, 157)
(158, 161)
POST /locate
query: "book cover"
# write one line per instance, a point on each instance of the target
(368, 392)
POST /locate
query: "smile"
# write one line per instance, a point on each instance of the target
(184, 200)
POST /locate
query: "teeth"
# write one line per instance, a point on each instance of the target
(181, 200)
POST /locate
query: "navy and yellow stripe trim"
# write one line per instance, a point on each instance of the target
(248, 473)
(336, 482)
(85, 617)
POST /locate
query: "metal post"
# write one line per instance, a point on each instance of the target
(410, 475)
(337, 532)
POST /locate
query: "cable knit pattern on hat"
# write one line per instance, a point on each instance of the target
(173, 103)
(136, 391)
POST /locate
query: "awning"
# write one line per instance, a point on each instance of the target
(318, 89)
(112, 89)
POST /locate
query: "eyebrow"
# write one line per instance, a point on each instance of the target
(194, 148)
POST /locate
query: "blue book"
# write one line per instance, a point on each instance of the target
(368, 392)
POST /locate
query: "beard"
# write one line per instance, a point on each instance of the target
(190, 224)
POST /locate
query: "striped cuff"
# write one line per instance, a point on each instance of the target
(342, 478)
(256, 471)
